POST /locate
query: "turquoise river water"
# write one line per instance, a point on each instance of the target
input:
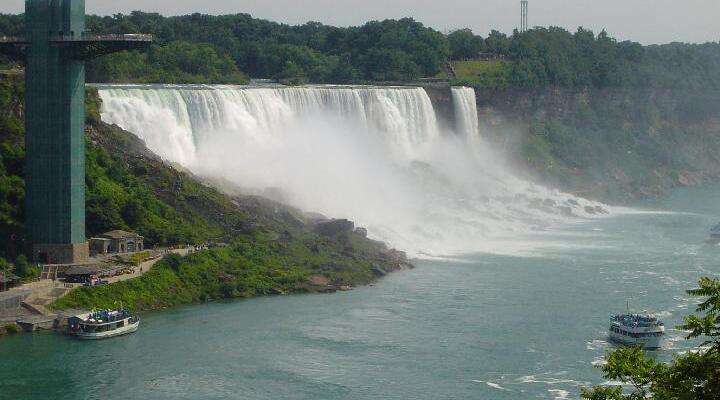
(475, 327)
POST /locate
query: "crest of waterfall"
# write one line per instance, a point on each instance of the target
(191, 116)
(375, 155)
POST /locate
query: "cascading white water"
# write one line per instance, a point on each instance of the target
(466, 115)
(189, 117)
(375, 155)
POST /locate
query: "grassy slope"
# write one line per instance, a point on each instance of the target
(253, 265)
(482, 73)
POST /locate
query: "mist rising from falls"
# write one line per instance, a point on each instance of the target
(375, 155)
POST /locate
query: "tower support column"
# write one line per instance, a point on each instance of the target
(54, 137)
(55, 49)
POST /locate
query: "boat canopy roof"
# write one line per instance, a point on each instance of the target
(636, 320)
(103, 317)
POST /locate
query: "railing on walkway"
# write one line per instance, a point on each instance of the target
(104, 38)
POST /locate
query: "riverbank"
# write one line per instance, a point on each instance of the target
(252, 266)
(213, 274)
(9, 328)
(26, 306)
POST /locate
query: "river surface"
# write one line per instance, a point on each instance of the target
(475, 327)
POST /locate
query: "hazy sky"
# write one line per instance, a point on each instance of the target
(647, 21)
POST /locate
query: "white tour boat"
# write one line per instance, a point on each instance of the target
(103, 324)
(643, 330)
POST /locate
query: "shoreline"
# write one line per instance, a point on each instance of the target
(316, 285)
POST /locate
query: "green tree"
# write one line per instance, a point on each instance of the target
(22, 266)
(497, 43)
(464, 44)
(224, 49)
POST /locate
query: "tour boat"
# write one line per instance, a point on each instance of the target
(643, 330)
(103, 324)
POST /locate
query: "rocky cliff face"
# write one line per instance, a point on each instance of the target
(441, 98)
(608, 144)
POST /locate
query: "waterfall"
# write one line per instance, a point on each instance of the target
(466, 115)
(404, 116)
(376, 155)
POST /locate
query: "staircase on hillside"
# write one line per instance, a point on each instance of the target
(450, 70)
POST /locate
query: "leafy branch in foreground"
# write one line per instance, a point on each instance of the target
(707, 326)
(691, 376)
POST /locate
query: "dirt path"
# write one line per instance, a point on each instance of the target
(145, 266)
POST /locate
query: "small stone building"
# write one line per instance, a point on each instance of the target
(117, 241)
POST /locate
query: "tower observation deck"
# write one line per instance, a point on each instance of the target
(54, 49)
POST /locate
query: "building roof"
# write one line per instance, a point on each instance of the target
(83, 270)
(118, 234)
(89, 269)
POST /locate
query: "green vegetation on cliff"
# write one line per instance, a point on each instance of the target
(614, 144)
(12, 160)
(130, 188)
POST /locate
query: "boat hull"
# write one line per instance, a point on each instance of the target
(125, 330)
(647, 343)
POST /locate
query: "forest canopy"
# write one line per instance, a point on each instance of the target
(232, 48)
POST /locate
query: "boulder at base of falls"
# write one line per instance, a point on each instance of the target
(335, 227)
(394, 260)
(566, 211)
(689, 179)
(595, 210)
(590, 210)
(378, 271)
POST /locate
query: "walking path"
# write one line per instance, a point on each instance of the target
(33, 297)
(145, 266)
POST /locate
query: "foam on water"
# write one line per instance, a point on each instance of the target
(376, 155)
(559, 394)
